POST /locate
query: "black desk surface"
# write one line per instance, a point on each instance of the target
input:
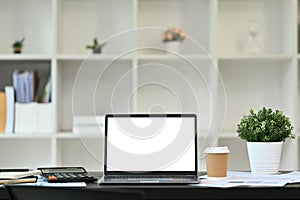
(291, 191)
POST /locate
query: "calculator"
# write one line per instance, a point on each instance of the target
(66, 174)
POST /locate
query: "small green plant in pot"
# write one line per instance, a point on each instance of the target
(96, 46)
(17, 45)
(265, 131)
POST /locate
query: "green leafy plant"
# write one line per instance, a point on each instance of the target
(18, 43)
(265, 126)
(95, 45)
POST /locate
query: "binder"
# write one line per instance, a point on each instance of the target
(10, 109)
(31, 118)
(25, 84)
(2, 112)
(26, 118)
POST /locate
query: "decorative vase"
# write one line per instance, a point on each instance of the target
(173, 46)
(254, 33)
(264, 157)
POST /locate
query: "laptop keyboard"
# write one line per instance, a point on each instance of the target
(149, 177)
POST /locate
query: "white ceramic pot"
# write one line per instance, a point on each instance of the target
(264, 157)
(173, 46)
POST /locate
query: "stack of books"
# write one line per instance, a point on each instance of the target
(20, 110)
(11, 176)
(30, 88)
(7, 110)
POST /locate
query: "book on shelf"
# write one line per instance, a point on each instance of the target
(31, 88)
(46, 97)
(40, 89)
(2, 112)
(10, 109)
(24, 84)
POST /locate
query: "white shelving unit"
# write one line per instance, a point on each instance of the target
(57, 32)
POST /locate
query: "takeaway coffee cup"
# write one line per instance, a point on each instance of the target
(216, 161)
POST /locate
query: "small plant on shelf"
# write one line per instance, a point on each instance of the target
(173, 34)
(17, 45)
(96, 47)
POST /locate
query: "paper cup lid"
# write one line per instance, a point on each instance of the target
(217, 150)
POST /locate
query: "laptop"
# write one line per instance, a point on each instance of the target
(150, 149)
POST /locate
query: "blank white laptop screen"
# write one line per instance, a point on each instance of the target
(139, 144)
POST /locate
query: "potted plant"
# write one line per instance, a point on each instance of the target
(265, 131)
(96, 47)
(17, 45)
(172, 37)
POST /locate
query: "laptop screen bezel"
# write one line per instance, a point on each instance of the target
(195, 172)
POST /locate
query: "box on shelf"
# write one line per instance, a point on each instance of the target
(88, 124)
(33, 118)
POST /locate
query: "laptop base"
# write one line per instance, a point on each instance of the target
(130, 181)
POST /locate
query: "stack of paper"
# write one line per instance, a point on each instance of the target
(15, 175)
(19, 177)
(235, 179)
(43, 183)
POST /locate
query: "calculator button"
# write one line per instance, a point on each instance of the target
(61, 177)
(52, 178)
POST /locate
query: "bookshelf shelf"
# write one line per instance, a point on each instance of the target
(56, 34)
(272, 57)
(71, 135)
(79, 57)
(169, 56)
(26, 136)
(29, 57)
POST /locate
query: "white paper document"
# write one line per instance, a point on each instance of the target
(294, 176)
(75, 184)
(46, 184)
(235, 179)
(43, 183)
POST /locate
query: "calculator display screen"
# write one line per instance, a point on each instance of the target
(61, 170)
